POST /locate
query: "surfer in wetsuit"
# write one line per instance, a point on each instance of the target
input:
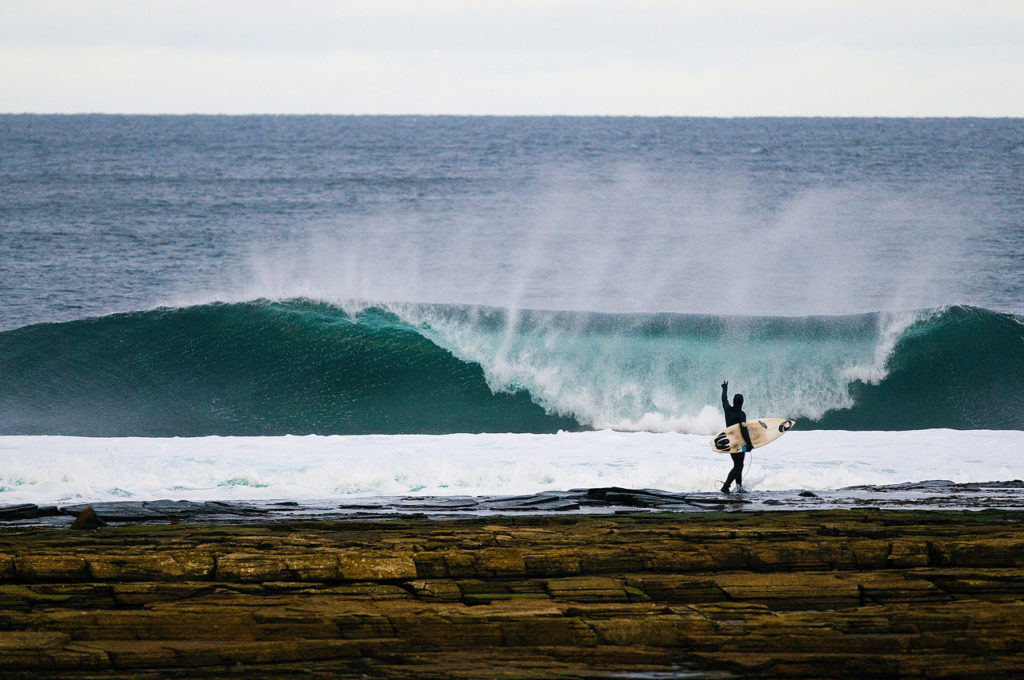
(734, 415)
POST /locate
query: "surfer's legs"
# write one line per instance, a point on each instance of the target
(736, 474)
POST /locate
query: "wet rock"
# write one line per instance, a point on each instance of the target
(87, 519)
(22, 511)
(150, 565)
(760, 595)
(125, 511)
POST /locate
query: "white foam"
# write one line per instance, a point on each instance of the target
(635, 381)
(62, 470)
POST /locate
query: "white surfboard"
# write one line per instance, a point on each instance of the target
(762, 431)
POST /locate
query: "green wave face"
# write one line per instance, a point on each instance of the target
(247, 369)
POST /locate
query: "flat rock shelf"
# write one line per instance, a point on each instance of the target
(802, 594)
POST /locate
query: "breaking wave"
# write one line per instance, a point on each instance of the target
(306, 367)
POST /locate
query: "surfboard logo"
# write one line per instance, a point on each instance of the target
(786, 425)
(764, 425)
(722, 441)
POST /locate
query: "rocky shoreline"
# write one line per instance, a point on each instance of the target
(804, 594)
(924, 495)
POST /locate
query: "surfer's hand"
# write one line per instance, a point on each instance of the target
(725, 385)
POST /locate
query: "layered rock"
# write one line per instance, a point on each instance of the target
(811, 594)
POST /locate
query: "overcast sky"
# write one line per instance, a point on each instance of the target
(634, 57)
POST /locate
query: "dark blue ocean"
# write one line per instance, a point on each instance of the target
(268, 275)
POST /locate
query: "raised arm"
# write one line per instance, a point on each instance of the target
(725, 395)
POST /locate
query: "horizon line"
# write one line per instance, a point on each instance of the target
(521, 115)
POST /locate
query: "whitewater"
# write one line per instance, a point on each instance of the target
(74, 470)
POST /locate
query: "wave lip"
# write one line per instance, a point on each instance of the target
(304, 367)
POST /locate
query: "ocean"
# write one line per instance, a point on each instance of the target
(332, 309)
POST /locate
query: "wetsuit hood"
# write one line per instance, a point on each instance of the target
(737, 401)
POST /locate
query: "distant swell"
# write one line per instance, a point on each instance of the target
(302, 367)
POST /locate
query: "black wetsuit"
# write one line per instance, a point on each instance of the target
(735, 416)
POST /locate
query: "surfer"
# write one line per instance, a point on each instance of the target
(734, 415)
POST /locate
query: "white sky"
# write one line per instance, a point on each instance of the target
(587, 57)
